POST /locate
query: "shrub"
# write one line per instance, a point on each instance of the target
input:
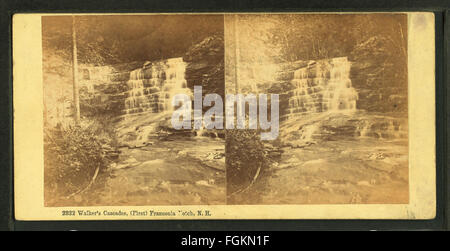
(245, 154)
(72, 154)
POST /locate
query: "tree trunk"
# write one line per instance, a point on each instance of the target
(236, 54)
(76, 96)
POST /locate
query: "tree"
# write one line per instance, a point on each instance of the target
(76, 91)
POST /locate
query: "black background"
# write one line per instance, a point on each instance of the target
(9, 7)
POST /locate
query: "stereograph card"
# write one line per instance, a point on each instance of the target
(224, 116)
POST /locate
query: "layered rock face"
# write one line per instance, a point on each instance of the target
(147, 89)
(321, 86)
(140, 98)
(152, 87)
(380, 77)
(337, 126)
(205, 65)
(322, 104)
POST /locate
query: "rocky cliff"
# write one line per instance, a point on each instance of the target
(139, 99)
(319, 101)
(205, 65)
(380, 76)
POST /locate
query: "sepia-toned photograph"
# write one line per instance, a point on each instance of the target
(108, 88)
(224, 116)
(343, 108)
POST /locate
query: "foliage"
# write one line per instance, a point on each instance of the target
(72, 155)
(244, 155)
(104, 40)
(327, 36)
(376, 46)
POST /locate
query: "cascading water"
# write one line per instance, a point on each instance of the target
(175, 82)
(152, 87)
(322, 86)
(323, 103)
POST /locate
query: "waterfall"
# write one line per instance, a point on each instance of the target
(322, 86)
(152, 87)
(323, 90)
(175, 82)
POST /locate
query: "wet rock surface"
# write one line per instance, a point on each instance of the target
(181, 172)
(339, 158)
(346, 171)
(314, 128)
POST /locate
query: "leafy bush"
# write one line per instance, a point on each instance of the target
(73, 153)
(244, 155)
